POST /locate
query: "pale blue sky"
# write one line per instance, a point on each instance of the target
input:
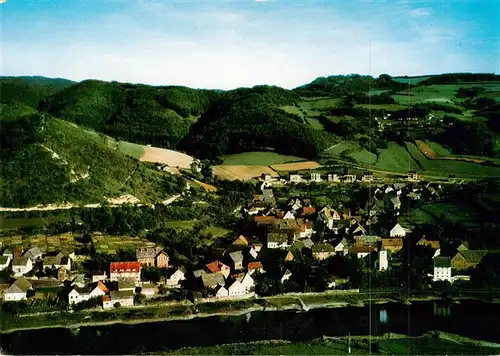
(228, 44)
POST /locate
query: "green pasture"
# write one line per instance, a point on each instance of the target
(258, 158)
(410, 80)
(395, 158)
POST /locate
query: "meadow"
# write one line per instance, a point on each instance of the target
(258, 158)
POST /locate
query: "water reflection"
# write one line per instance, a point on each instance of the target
(442, 308)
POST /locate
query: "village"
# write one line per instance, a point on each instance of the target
(284, 239)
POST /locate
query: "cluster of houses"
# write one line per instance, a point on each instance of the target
(331, 178)
(451, 268)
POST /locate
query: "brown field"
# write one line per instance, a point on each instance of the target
(465, 159)
(169, 157)
(207, 187)
(426, 150)
(240, 172)
(297, 166)
(430, 154)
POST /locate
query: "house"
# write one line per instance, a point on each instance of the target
(435, 245)
(264, 220)
(333, 178)
(149, 290)
(119, 270)
(126, 283)
(123, 298)
(413, 177)
(383, 263)
(323, 251)
(237, 258)
(248, 283)
(467, 258)
(349, 178)
(295, 204)
(57, 261)
(463, 246)
(217, 266)
(289, 216)
(99, 276)
(241, 241)
(365, 240)
(8, 253)
(308, 210)
(106, 302)
(340, 246)
(289, 256)
(367, 178)
(316, 177)
(222, 293)
(396, 203)
(18, 290)
(175, 279)
(306, 228)
(4, 262)
(255, 267)
(213, 280)
(356, 228)
(237, 289)
(152, 257)
(392, 244)
(442, 269)
(34, 253)
(21, 266)
(286, 276)
(295, 178)
(362, 251)
(279, 239)
(397, 231)
(80, 294)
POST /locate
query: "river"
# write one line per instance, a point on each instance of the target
(469, 318)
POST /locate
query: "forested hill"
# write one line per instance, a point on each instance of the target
(159, 116)
(340, 85)
(46, 160)
(30, 90)
(250, 119)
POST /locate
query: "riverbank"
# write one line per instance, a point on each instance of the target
(387, 344)
(188, 311)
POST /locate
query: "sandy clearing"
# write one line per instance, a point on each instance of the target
(297, 166)
(165, 156)
(124, 199)
(241, 172)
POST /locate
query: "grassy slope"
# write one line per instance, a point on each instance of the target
(33, 175)
(258, 158)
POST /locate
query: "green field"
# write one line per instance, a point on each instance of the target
(337, 149)
(131, 149)
(439, 149)
(364, 156)
(258, 158)
(443, 168)
(215, 231)
(395, 158)
(319, 104)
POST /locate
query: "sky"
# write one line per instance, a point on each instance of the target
(229, 44)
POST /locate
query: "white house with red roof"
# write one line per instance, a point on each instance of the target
(119, 270)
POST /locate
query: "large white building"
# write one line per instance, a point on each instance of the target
(119, 270)
(78, 294)
(442, 269)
